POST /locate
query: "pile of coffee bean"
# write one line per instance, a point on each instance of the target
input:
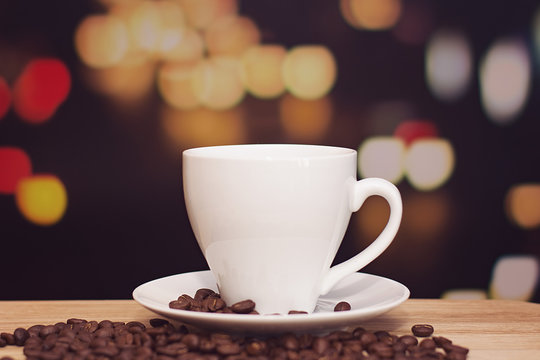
(207, 300)
(82, 339)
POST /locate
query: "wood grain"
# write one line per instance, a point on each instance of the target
(491, 329)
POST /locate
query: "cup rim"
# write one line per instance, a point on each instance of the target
(268, 152)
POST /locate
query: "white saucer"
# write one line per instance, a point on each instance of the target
(369, 296)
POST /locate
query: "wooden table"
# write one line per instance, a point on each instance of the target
(491, 329)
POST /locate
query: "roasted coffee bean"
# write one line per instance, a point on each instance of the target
(3, 342)
(213, 304)
(297, 312)
(422, 330)
(158, 322)
(20, 336)
(243, 307)
(8, 338)
(162, 341)
(342, 306)
(203, 293)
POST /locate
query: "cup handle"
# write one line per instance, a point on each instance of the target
(359, 191)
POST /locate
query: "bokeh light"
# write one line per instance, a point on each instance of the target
(426, 215)
(448, 64)
(5, 97)
(429, 163)
(128, 81)
(305, 120)
(505, 77)
(371, 14)
(155, 27)
(514, 277)
(412, 130)
(176, 87)
(371, 219)
(15, 164)
(217, 82)
(41, 199)
(101, 40)
(231, 36)
(309, 71)
(523, 205)
(384, 117)
(189, 47)
(465, 294)
(202, 13)
(40, 89)
(261, 70)
(204, 127)
(382, 157)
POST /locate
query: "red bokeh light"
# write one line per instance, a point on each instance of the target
(5, 97)
(43, 85)
(412, 130)
(14, 165)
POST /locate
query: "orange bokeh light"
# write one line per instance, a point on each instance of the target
(43, 85)
(371, 14)
(231, 35)
(14, 165)
(305, 120)
(102, 40)
(41, 199)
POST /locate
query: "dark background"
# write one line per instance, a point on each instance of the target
(126, 222)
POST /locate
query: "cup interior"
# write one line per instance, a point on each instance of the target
(268, 152)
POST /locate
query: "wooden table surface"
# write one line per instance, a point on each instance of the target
(491, 329)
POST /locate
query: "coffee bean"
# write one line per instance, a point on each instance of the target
(163, 341)
(203, 293)
(422, 330)
(243, 307)
(297, 312)
(213, 304)
(342, 306)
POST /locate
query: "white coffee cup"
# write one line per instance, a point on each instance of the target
(269, 219)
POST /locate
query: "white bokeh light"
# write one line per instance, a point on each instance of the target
(514, 277)
(382, 157)
(448, 64)
(505, 77)
(429, 163)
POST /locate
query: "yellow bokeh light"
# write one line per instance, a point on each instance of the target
(429, 163)
(156, 26)
(204, 127)
(101, 40)
(523, 205)
(505, 80)
(371, 14)
(305, 120)
(261, 70)
(175, 84)
(217, 82)
(130, 80)
(309, 71)
(41, 199)
(202, 13)
(382, 157)
(464, 294)
(189, 46)
(231, 35)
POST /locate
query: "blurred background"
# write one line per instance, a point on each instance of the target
(99, 98)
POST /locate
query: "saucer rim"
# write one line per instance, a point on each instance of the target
(280, 322)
